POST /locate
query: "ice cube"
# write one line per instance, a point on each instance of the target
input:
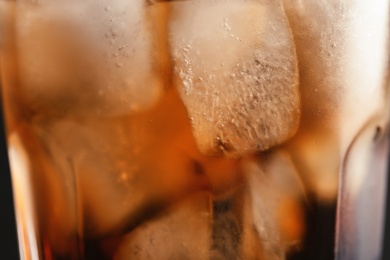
(340, 92)
(236, 69)
(92, 58)
(274, 204)
(182, 232)
(127, 168)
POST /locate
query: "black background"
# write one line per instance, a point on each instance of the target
(8, 240)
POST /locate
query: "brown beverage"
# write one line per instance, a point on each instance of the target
(188, 129)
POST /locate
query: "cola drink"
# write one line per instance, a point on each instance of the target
(195, 129)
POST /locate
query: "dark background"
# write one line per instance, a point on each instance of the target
(8, 238)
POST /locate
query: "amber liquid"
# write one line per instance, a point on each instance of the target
(103, 180)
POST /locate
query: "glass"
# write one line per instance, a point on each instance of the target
(197, 129)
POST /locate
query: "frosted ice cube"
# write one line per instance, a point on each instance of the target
(235, 65)
(126, 168)
(92, 58)
(274, 204)
(182, 232)
(342, 48)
